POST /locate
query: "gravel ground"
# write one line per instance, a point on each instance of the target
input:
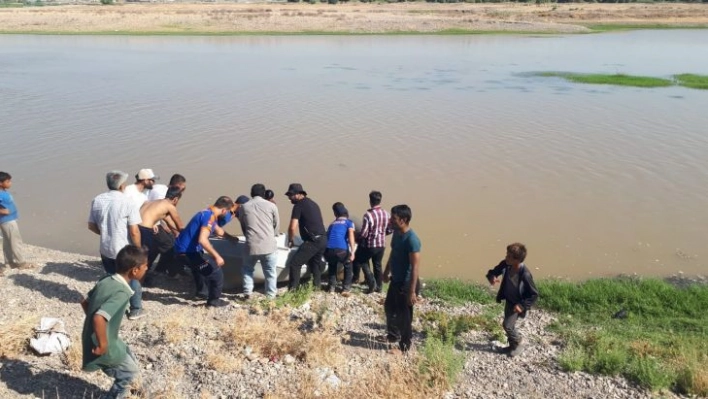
(185, 351)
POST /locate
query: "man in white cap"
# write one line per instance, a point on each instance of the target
(138, 192)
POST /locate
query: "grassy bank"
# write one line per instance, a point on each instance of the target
(647, 330)
(350, 18)
(692, 81)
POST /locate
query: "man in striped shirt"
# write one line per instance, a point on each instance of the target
(372, 243)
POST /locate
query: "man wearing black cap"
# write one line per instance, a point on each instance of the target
(307, 218)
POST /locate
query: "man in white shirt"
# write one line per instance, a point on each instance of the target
(138, 192)
(115, 218)
(159, 191)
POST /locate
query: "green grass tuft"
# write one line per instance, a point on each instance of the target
(441, 364)
(458, 292)
(611, 79)
(295, 298)
(692, 81)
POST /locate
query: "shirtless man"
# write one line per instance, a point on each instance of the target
(152, 212)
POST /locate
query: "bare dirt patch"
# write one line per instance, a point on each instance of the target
(357, 18)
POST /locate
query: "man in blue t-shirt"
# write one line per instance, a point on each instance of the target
(340, 248)
(194, 240)
(402, 271)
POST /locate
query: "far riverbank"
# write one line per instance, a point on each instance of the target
(349, 18)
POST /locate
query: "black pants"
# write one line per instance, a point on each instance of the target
(399, 315)
(334, 257)
(209, 279)
(147, 240)
(310, 253)
(164, 242)
(362, 256)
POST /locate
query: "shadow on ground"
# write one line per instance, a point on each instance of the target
(49, 289)
(366, 341)
(90, 271)
(25, 379)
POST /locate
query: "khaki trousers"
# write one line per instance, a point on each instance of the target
(11, 243)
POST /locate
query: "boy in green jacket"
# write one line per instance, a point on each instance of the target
(105, 306)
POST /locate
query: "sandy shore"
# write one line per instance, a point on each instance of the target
(321, 349)
(357, 18)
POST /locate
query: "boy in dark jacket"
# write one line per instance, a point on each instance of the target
(517, 289)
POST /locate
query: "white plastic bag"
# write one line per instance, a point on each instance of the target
(51, 337)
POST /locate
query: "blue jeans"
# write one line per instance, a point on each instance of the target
(124, 374)
(136, 301)
(268, 263)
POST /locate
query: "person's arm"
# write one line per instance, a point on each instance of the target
(294, 224)
(291, 232)
(84, 305)
(528, 301)
(94, 227)
(387, 270)
(4, 211)
(365, 226)
(99, 327)
(173, 220)
(492, 274)
(415, 265)
(134, 234)
(352, 243)
(204, 242)
(276, 220)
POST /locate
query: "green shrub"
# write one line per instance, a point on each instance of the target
(440, 364)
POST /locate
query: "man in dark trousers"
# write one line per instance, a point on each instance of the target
(372, 243)
(402, 271)
(307, 218)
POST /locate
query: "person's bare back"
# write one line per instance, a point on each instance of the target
(153, 212)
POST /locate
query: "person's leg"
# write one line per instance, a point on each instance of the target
(269, 264)
(195, 262)
(392, 332)
(6, 245)
(356, 266)
(109, 265)
(317, 264)
(136, 301)
(147, 240)
(509, 325)
(299, 258)
(249, 264)
(405, 321)
(12, 242)
(376, 258)
(331, 259)
(347, 284)
(215, 280)
(362, 258)
(124, 374)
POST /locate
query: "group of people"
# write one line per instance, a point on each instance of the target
(139, 221)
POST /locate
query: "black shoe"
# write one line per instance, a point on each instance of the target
(388, 339)
(377, 289)
(506, 350)
(217, 303)
(199, 295)
(149, 281)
